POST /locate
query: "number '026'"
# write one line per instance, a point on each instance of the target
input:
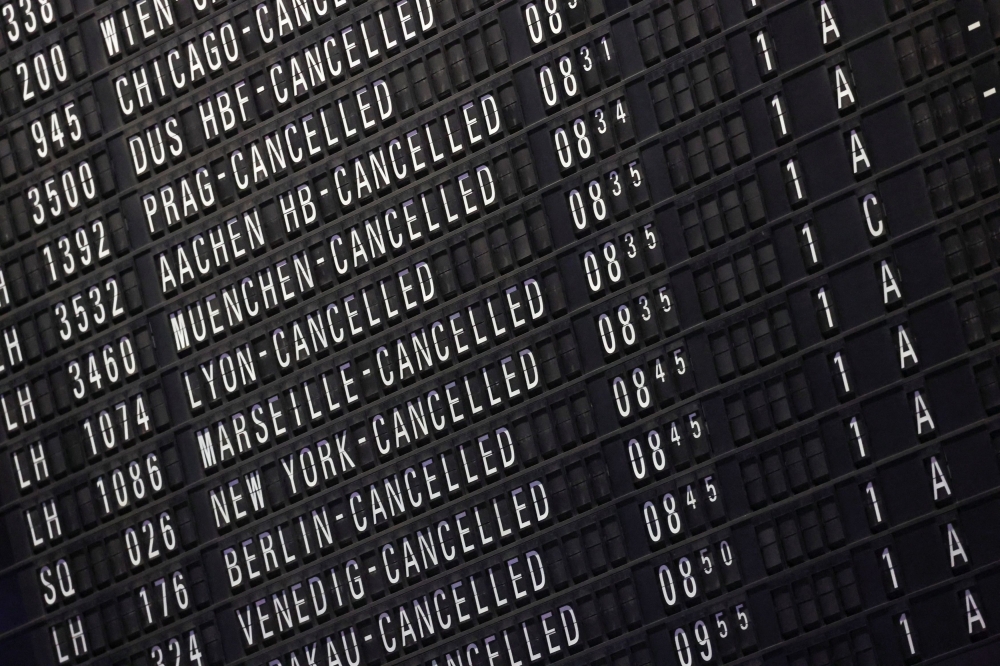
(145, 543)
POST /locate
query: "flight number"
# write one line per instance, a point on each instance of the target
(24, 20)
(105, 304)
(108, 367)
(167, 597)
(64, 193)
(144, 544)
(118, 425)
(131, 484)
(173, 652)
(56, 140)
(43, 71)
(75, 252)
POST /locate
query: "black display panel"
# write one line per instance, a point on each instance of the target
(468, 333)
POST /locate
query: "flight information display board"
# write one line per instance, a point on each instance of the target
(499, 332)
